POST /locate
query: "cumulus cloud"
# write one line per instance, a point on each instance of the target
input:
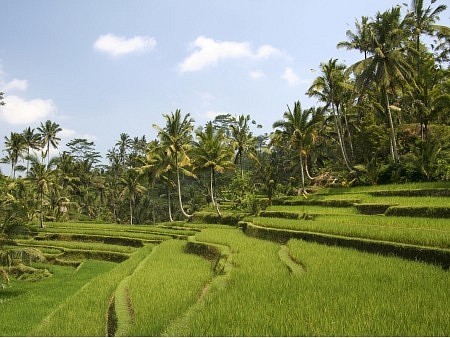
(15, 84)
(290, 76)
(20, 111)
(119, 45)
(257, 74)
(209, 52)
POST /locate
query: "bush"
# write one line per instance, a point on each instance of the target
(279, 214)
(372, 208)
(432, 212)
(212, 218)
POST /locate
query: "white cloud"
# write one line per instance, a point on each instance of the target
(119, 45)
(15, 84)
(19, 111)
(209, 52)
(257, 74)
(290, 76)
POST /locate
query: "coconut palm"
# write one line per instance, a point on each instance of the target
(124, 144)
(242, 140)
(329, 88)
(132, 187)
(358, 40)
(176, 138)
(212, 152)
(14, 146)
(41, 177)
(48, 134)
(386, 66)
(298, 129)
(31, 140)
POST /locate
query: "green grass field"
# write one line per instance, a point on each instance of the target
(236, 285)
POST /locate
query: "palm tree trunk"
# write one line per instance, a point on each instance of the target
(131, 212)
(302, 174)
(391, 125)
(341, 139)
(216, 205)
(41, 214)
(179, 190)
(170, 203)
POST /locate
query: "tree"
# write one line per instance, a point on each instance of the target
(212, 152)
(14, 146)
(359, 40)
(329, 88)
(41, 177)
(242, 140)
(386, 66)
(176, 139)
(1, 99)
(124, 144)
(31, 140)
(298, 129)
(48, 133)
(131, 188)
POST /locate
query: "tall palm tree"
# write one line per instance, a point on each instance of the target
(212, 152)
(329, 88)
(386, 66)
(14, 146)
(48, 134)
(242, 140)
(132, 187)
(176, 138)
(359, 40)
(31, 140)
(41, 177)
(298, 129)
(124, 144)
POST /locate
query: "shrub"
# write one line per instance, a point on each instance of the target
(432, 212)
(279, 214)
(372, 208)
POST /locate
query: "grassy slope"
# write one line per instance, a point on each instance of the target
(25, 304)
(343, 292)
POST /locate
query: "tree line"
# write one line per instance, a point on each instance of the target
(384, 119)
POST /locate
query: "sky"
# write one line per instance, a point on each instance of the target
(100, 68)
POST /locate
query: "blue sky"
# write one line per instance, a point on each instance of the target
(103, 67)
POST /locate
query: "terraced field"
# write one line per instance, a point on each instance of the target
(315, 267)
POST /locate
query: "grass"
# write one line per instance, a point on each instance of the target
(78, 245)
(43, 297)
(342, 293)
(90, 302)
(429, 232)
(165, 286)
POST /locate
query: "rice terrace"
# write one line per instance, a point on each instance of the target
(334, 223)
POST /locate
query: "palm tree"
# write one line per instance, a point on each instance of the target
(330, 88)
(387, 65)
(212, 152)
(14, 146)
(242, 140)
(48, 135)
(31, 140)
(131, 188)
(176, 139)
(359, 40)
(124, 144)
(298, 129)
(41, 177)
(422, 21)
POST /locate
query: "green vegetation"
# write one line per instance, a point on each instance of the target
(91, 302)
(25, 304)
(390, 295)
(370, 166)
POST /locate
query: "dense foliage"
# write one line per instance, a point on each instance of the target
(384, 119)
